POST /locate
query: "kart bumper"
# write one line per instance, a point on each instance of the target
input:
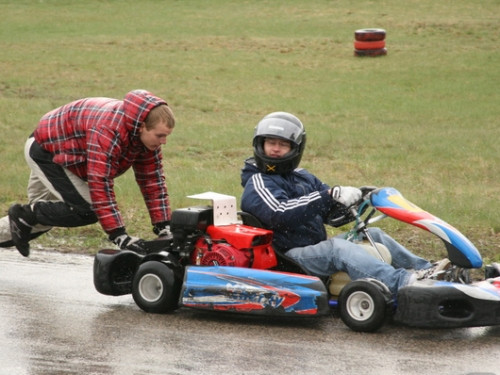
(114, 269)
(440, 304)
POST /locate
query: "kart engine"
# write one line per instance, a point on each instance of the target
(220, 254)
(223, 245)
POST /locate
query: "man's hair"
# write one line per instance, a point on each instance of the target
(161, 113)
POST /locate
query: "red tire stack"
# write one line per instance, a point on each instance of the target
(369, 42)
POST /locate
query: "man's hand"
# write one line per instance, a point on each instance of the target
(347, 195)
(125, 242)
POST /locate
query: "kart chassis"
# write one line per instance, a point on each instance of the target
(170, 276)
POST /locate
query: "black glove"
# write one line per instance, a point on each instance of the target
(339, 215)
(162, 229)
(121, 239)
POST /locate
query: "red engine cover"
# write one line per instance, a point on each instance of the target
(220, 254)
(236, 245)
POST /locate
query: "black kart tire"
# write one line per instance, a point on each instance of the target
(155, 288)
(369, 35)
(363, 306)
(370, 52)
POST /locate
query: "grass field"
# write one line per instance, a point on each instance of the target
(424, 119)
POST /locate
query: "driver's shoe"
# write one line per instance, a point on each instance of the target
(436, 272)
(21, 220)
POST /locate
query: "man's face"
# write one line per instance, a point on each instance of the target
(154, 138)
(276, 147)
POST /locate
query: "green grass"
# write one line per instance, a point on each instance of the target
(424, 118)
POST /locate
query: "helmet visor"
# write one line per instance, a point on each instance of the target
(280, 128)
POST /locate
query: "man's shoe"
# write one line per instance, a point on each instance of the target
(21, 220)
(436, 272)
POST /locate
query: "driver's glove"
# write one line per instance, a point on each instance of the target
(346, 195)
(126, 242)
(162, 229)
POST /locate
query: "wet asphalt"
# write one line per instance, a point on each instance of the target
(53, 321)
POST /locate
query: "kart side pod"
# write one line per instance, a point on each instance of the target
(253, 291)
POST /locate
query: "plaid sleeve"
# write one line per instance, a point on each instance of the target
(103, 145)
(148, 169)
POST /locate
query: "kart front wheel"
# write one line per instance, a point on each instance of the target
(155, 288)
(363, 305)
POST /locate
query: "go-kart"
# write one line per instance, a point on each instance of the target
(220, 259)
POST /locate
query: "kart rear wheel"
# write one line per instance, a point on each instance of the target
(155, 288)
(363, 306)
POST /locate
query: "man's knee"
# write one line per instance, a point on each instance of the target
(61, 214)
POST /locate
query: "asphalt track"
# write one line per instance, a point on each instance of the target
(52, 321)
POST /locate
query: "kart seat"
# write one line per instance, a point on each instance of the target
(250, 220)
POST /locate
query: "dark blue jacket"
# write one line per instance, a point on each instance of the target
(294, 205)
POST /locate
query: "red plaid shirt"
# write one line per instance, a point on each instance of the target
(98, 140)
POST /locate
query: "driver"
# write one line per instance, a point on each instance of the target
(295, 204)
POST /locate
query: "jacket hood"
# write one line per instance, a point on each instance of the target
(249, 169)
(136, 106)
